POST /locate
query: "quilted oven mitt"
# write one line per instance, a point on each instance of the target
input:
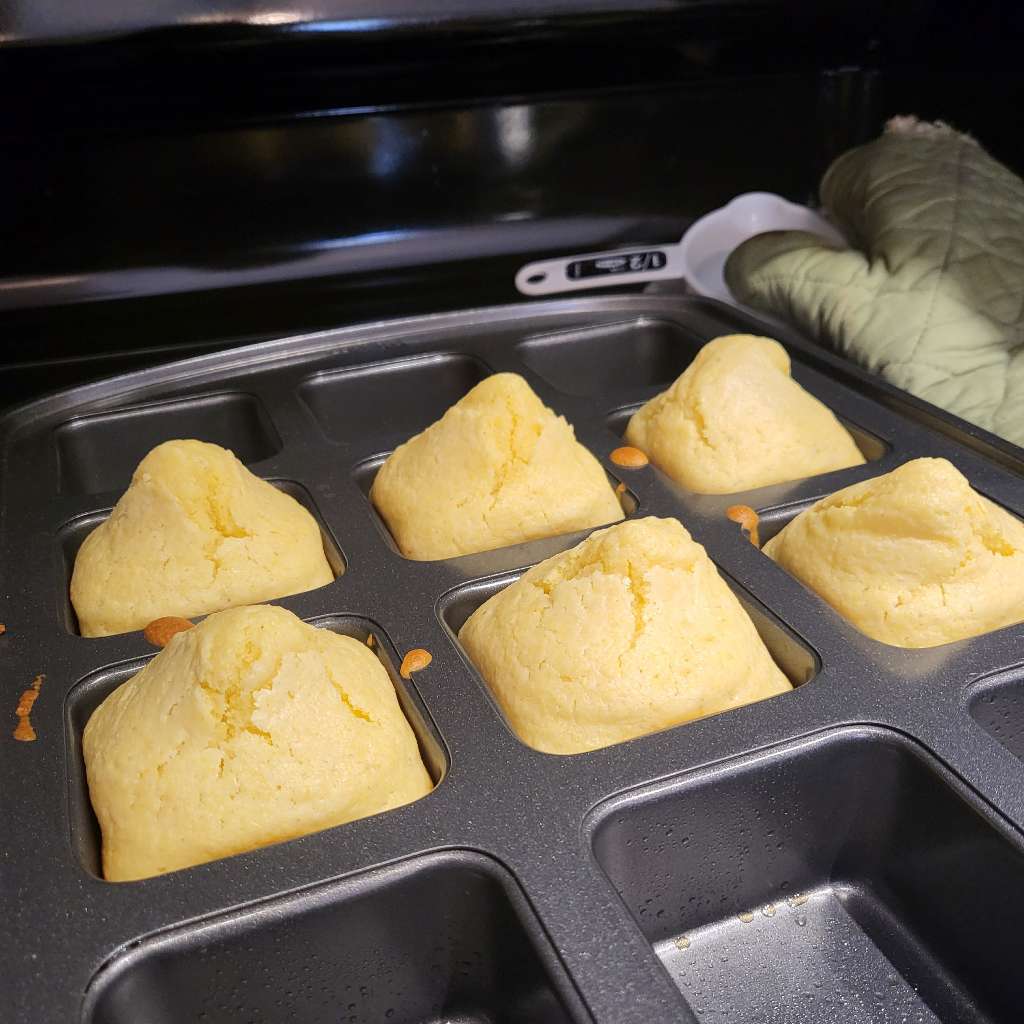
(931, 296)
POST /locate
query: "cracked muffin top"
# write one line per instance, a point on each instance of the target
(914, 558)
(629, 632)
(735, 420)
(249, 729)
(498, 468)
(195, 533)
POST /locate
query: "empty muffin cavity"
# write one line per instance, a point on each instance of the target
(99, 453)
(813, 883)
(443, 937)
(398, 397)
(612, 358)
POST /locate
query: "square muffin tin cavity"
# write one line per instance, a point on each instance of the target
(847, 851)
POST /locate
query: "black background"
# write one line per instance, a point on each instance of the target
(171, 185)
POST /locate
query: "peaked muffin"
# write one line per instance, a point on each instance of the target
(629, 632)
(195, 533)
(251, 728)
(498, 468)
(914, 558)
(735, 420)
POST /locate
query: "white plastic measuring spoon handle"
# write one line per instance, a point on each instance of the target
(635, 265)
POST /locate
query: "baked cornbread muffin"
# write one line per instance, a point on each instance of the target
(194, 533)
(735, 420)
(498, 468)
(251, 728)
(913, 558)
(629, 632)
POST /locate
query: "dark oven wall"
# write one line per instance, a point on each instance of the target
(183, 186)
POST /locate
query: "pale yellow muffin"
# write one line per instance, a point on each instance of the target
(194, 533)
(629, 632)
(498, 468)
(251, 728)
(736, 420)
(913, 558)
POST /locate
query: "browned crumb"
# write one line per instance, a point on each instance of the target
(24, 731)
(416, 659)
(160, 631)
(747, 519)
(370, 641)
(3, 629)
(629, 458)
(621, 489)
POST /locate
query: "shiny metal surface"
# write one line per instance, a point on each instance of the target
(36, 20)
(526, 887)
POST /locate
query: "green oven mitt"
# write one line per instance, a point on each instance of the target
(931, 296)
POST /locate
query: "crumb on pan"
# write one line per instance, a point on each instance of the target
(747, 519)
(416, 659)
(160, 631)
(629, 457)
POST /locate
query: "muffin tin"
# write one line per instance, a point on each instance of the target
(849, 851)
